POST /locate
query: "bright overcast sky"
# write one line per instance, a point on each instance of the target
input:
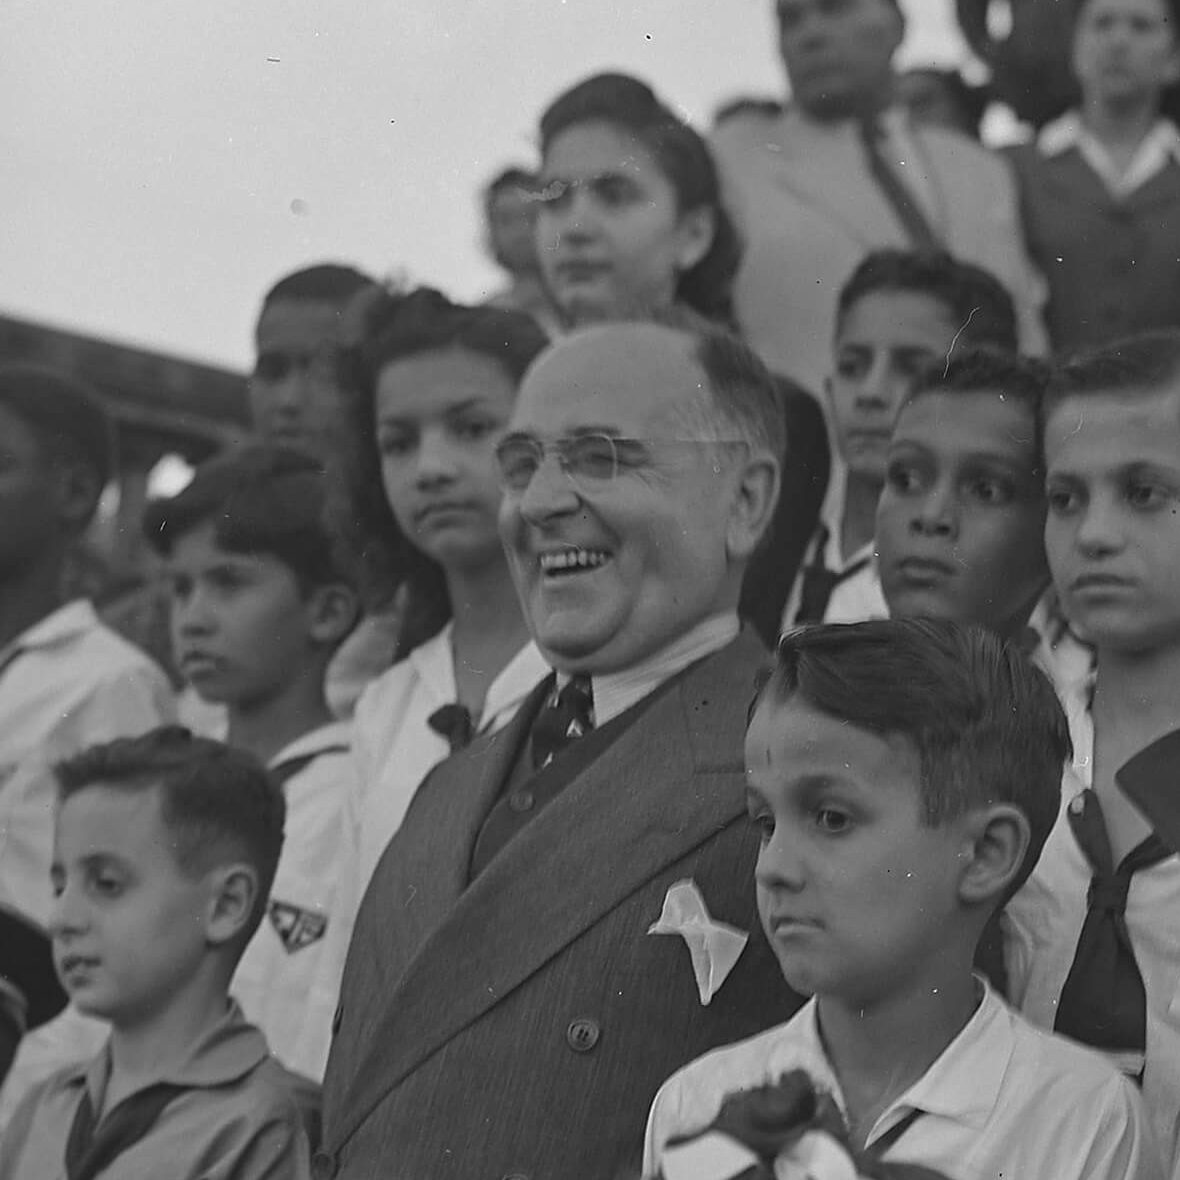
(161, 162)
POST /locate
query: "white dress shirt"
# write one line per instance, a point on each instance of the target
(1043, 922)
(276, 978)
(66, 683)
(1002, 1100)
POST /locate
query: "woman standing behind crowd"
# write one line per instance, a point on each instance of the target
(1100, 188)
(433, 387)
(631, 224)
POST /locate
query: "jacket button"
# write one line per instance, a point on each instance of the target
(337, 1019)
(582, 1034)
(323, 1166)
(521, 801)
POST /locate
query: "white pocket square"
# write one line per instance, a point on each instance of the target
(714, 946)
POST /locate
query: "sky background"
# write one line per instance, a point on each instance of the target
(162, 162)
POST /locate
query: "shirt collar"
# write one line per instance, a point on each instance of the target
(223, 1053)
(616, 692)
(434, 663)
(66, 623)
(1159, 145)
(964, 1081)
(831, 522)
(1149, 781)
(316, 741)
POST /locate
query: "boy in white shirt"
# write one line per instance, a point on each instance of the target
(66, 680)
(261, 599)
(1094, 937)
(905, 775)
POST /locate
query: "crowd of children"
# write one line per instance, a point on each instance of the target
(961, 765)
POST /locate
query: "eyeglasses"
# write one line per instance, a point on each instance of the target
(276, 364)
(590, 461)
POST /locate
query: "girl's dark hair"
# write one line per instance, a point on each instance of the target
(682, 156)
(395, 327)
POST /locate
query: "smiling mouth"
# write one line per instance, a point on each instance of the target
(572, 561)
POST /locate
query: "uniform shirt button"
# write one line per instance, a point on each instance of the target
(323, 1166)
(521, 801)
(1077, 804)
(582, 1034)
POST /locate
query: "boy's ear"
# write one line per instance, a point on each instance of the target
(753, 505)
(75, 492)
(997, 842)
(234, 888)
(332, 612)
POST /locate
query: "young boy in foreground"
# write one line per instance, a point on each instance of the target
(164, 849)
(1094, 937)
(905, 775)
(261, 601)
(961, 520)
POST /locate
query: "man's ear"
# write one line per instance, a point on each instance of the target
(75, 491)
(332, 612)
(694, 236)
(233, 890)
(996, 842)
(755, 497)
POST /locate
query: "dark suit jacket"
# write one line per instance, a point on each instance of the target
(1113, 267)
(521, 1025)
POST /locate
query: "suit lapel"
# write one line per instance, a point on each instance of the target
(651, 798)
(424, 870)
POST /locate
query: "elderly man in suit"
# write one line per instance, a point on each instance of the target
(843, 171)
(567, 913)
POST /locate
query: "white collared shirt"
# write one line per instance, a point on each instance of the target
(1043, 922)
(66, 683)
(1158, 148)
(276, 978)
(1002, 1100)
(615, 692)
(859, 596)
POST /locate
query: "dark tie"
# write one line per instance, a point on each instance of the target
(454, 723)
(1103, 1003)
(567, 716)
(819, 582)
(913, 220)
(91, 1149)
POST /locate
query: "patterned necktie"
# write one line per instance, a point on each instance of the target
(819, 582)
(567, 716)
(1103, 1003)
(913, 220)
(454, 723)
(90, 1149)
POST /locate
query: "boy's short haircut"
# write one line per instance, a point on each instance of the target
(985, 722)
(1020, 379)
(510, 179)
(218, 803)
(974, 297)
(327, 282)
(1136, 366)
(69, 421)
(260, 499)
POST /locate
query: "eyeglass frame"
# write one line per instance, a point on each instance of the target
(560, 449)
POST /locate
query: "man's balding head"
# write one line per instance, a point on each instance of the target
(641, 524)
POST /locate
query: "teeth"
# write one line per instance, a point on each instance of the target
(571, 559)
